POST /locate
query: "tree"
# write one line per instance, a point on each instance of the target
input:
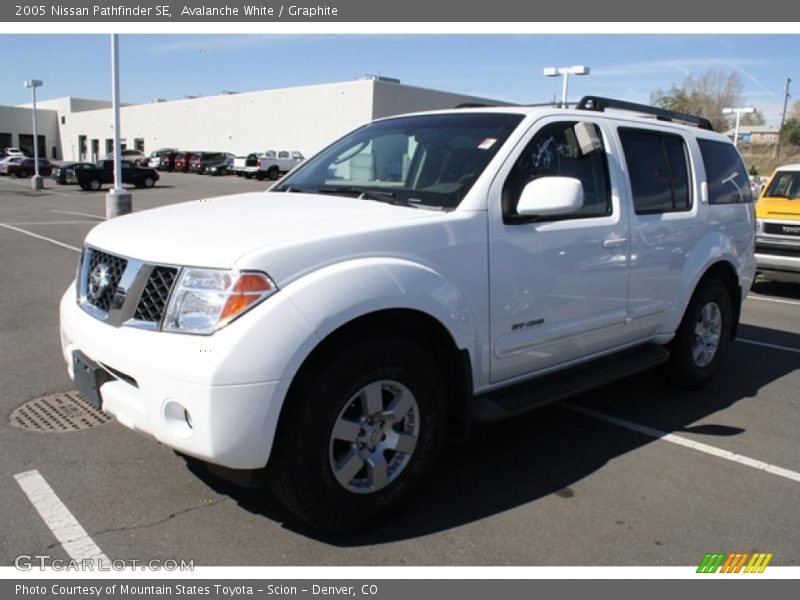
(753, 119)
(790, 134)
(705, 96)
(794, 112)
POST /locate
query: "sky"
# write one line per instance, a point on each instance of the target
(502, 67)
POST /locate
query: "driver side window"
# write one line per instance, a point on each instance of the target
(554, 151)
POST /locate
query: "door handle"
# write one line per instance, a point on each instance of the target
(615, 243)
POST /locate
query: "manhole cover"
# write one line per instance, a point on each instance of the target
(57, 413)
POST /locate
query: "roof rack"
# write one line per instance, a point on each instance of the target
(475, 105)
(599, 104)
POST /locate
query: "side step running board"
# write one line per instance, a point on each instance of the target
(512, 401)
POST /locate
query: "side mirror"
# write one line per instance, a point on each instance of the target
(548, 196)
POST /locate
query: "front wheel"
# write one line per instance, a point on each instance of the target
(703, 337)
(360, 438)
(95, 185)
(149, 182)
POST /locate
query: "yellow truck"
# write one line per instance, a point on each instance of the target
(778, 222)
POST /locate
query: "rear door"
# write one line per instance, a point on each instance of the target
(559, 284)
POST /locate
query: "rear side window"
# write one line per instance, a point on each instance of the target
(658, 167)
(728, 182)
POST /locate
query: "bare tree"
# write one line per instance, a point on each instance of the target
(705, 96)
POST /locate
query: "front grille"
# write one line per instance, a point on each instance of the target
(782, 229)
(101, 291)
(790, 251)
(153, 300)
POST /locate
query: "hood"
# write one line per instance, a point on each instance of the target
(215, 232)
(777, 208)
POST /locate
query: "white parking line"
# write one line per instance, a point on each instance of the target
(72, 536)
(766, 345)
(775, 300)
(28, 185)
(686, 443)
(40, 237)
(82, 214)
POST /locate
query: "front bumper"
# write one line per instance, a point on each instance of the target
(181, 389)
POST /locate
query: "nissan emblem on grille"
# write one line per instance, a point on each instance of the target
(98, 280)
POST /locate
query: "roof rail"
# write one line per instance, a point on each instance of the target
(474, 105)
(599, 104)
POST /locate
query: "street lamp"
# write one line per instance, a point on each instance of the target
(738, 112)
(36, 181)
(118, 200)
(565, 72)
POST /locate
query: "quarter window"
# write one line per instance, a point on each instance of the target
(659, 171)
(727, 178)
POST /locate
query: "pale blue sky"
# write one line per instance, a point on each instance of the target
(504, 67)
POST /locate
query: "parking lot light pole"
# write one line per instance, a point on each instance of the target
(118, 200)
(738, 112)
(36, 181)
(565, 72)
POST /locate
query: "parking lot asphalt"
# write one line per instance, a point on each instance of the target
(633, 473)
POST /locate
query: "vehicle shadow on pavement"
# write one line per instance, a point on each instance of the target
(517, 462)
(777, 289)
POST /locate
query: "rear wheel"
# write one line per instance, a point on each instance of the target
(149, 182)
(22, 174)
(358, 440)
(703, 337)
(273, 173)
(95, 185)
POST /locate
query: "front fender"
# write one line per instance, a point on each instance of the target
(335, 295)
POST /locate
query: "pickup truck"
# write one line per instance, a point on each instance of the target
(423, 273)
(103, 172)
(778, 234)
(272, 164)
(246, 166)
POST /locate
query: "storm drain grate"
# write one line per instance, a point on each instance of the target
(57, 413)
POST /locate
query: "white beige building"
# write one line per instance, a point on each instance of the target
(300, 118)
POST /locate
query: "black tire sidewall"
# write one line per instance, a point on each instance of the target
(305, 457)
(684, 370)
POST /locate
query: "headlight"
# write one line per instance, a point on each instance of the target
(205, 300)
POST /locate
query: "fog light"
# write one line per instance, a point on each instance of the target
(177, 419)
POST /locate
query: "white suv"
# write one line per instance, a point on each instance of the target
(385, 295)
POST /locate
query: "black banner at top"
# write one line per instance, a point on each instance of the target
(321, 11)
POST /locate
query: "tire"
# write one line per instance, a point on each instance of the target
(85, 187)
(148, 182)
(95, 185)
(326, 434)
(703, 337)
(273, 173)
(260, 175)
(22, 174)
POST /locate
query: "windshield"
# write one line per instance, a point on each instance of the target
(426, 160)
(785, 184)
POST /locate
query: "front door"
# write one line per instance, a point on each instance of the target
(559, 284)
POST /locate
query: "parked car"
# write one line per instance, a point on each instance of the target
(9, 160)
(135, 157)
(65, 172)
(389, 292)
(166, 162)
(246, 166)
(274, 164)
(154, 161)
(27, 168)
(201, 160)
(181, 162)
(103, 172)
(778, 226)
(14, 152)
(223, 167)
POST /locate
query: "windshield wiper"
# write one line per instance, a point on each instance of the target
(367, 194)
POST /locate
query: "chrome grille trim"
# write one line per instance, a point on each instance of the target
(121, 305)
